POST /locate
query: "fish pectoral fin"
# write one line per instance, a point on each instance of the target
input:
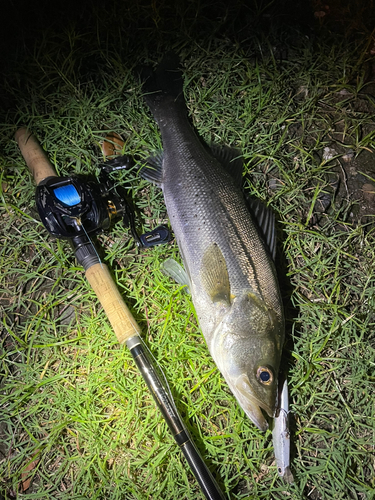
(250, 404)
(214, 275)
(153, 170)
(174, 270)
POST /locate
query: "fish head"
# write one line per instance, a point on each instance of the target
(246, 347)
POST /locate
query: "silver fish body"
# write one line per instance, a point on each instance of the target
(232, 277)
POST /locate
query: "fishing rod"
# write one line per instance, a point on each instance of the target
(72, 209)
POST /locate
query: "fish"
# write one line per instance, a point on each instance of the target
(226, 245)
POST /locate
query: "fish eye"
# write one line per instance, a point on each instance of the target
(264, 375)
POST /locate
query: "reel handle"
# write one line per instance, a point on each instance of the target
(35, 157)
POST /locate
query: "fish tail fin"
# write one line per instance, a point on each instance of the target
(164, 85)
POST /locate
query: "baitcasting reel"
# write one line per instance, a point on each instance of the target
(75, 207)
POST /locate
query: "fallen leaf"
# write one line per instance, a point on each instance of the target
(112, 145)
(26, 481)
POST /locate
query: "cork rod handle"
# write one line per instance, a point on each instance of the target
(36, 159)
(121, 319)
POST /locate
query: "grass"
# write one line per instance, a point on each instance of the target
(76, 416)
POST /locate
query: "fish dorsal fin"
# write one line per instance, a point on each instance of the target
(214, 275)
(153, 169)
(231, 159)
(265, 219)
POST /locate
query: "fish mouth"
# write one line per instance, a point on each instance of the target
(251, 405)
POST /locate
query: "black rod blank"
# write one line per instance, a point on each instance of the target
(167, 407)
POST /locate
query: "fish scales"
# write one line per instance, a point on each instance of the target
(212, 209)
(232, 278)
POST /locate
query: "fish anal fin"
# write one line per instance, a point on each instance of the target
(153, 169)
(214, 275)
